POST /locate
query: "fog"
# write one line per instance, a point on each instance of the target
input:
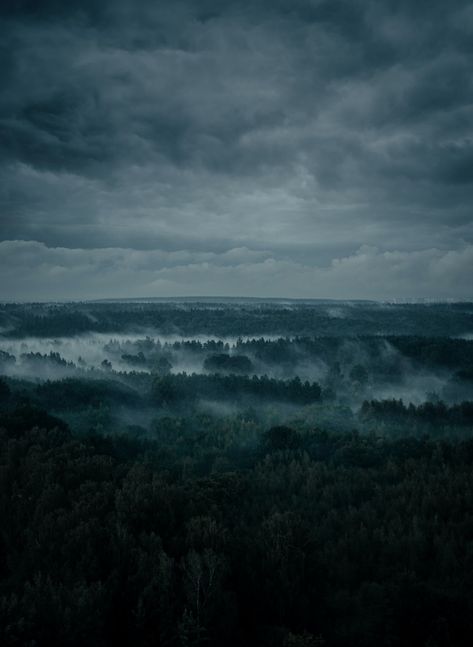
(92, 349)
(135, 368)
(350, 371)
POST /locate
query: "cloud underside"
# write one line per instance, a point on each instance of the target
(307, 148)
(36, 272)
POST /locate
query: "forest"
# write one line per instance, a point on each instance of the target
(241, 473)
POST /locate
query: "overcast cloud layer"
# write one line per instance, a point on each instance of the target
(278, 148)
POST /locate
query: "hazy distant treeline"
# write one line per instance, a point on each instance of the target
(233, 319)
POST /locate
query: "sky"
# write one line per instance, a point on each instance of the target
(272, 148)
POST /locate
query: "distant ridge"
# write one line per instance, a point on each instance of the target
(203, 299)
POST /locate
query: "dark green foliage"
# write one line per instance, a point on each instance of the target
(5, 391)
(159, 364)
(440, 351)
(175, 389)
(235, 318)
(434, 413)
(52, 358)
(281, 438)
(466, 375)
(228, 363)
(134, 360)
(328, 540)
(149, 508)
(28, 417)
(71, 393)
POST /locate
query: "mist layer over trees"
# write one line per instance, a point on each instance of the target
(236, 473)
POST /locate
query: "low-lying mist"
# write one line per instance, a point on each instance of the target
(347, 372)
(128, 367)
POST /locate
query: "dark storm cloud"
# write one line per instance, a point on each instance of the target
(306, 131)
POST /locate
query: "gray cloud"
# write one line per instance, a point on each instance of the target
(301, 131)
(38, 271)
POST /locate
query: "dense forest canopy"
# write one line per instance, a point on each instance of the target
(235, 318)
(257, 473)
